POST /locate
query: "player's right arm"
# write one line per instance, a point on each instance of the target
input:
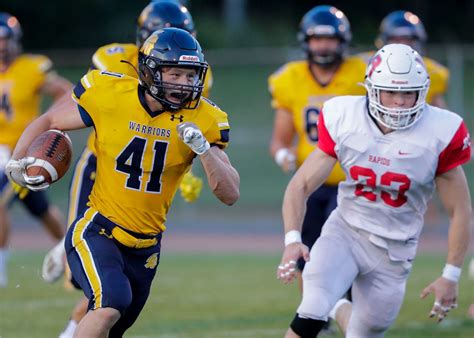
(63, 115)
(453, 191)
(310, 176)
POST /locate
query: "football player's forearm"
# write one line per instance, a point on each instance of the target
(459, 235)
(453, 191)
(309, 177)
(223, 179)
(294, 205)
(34, 129)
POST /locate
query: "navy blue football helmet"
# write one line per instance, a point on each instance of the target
(163, 14)
(171, 47)
(325, 21)
(402, 25)
(10, 29)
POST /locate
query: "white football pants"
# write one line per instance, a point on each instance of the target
(344, 256)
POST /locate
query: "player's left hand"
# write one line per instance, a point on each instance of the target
(446, 293)
(190, 187)
(287, 270)
(16, 172)
(193, 137)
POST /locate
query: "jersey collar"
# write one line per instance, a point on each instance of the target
(141, 98)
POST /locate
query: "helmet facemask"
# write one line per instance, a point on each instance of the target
(396, 68)
(395, 118)
(187, 96)
(324, 58)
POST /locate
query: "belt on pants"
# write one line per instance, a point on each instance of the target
(131, 241)
(123, 236)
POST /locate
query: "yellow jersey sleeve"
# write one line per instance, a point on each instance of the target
(278, 84)
(93, 97)
(111, 57)
(218, 130)
(439, 78)
(39, 67)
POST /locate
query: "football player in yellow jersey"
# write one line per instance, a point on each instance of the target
(24, 78)
(119, 58)
(147, 134)
(407, 28)
(299, 90)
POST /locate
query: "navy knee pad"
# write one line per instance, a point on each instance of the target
(306, 327)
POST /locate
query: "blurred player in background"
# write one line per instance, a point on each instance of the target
(407, 28)
(395, 150)
(119, 58)
(299, 90)
(148, 132)
(24, 78)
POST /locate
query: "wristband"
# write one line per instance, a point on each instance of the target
(292, 236)
(452, 272)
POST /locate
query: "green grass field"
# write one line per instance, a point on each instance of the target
(228, 295)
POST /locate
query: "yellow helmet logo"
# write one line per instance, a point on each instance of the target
(150, 43)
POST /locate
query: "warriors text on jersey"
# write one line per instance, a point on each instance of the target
(20, 95)
(110, 57)
(439, 76)
(294, 89)
(140, 159)
(390, 177)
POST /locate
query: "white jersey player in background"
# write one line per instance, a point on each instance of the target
(394, 149)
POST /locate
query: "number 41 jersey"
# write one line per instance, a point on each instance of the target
(390, 177)
(140, 159)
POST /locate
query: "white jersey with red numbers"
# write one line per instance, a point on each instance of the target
(389, 177)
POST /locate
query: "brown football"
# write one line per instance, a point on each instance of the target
(53, 153)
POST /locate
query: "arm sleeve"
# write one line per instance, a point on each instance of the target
(325, 143)
(457, 152)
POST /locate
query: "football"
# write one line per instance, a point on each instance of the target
(53, 153)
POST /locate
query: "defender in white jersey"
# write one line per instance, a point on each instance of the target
(394, 149)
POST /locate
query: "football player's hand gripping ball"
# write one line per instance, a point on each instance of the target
(16, 172)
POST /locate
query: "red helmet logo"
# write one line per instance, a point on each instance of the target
(374, 63)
